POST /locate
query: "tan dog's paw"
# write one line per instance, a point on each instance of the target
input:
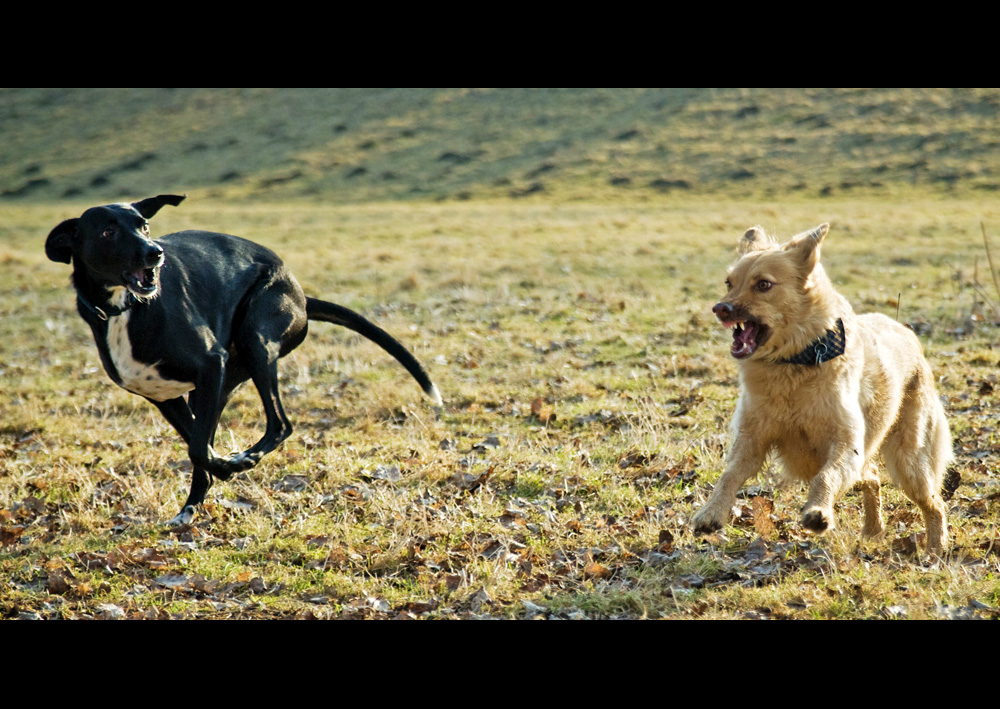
(817, 519)
(708, 520)
(873, 529)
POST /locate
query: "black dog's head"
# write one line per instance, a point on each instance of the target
(112, 244)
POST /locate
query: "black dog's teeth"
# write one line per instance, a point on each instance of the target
(143, 279)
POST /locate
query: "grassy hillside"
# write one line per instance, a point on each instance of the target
(358, 145)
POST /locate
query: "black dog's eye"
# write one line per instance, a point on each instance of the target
(144, 228)
(764, 285)
(110, 231)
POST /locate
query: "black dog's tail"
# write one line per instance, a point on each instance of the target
(339, 315)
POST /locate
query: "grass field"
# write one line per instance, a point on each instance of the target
(587, 395)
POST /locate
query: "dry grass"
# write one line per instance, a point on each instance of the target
(587, 395)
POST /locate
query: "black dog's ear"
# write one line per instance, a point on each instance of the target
(59, 245)
(151, 205)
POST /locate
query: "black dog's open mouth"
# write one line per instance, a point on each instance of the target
(143, 283)
(748, 335)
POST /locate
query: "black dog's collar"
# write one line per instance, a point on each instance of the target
(111, 310)
(831, 345)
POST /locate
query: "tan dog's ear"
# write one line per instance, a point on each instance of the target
(755, 239)
(805, 247)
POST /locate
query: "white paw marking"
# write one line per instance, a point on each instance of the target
(184, 517)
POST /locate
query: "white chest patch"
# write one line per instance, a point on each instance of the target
(139, 378)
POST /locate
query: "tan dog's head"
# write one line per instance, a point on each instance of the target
(779, 299)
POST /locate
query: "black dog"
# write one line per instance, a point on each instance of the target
(195, 313)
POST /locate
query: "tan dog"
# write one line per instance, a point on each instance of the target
(827, 390)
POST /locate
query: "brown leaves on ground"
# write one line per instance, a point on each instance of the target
(543, 411)
(763, 508)
(81, 579)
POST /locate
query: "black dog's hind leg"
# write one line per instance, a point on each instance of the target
(270, 324)
(274, 325)
(206, 403)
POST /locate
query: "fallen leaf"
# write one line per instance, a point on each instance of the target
(471, 482)
(534, 611)
(952, 480)
(763, 508)
(109, 611)
(60, 581)
(389, 473)
(172, 580)
(479, 599)
(292, 483)
(10, 535)
(905, 545)
(487, 443)
(665, 544)
(543, 411)
(596, 570)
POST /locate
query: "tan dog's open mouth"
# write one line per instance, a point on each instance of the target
(748, 335)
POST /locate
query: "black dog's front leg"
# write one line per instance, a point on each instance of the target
(178, 414)
(196, 420)
(200, 482)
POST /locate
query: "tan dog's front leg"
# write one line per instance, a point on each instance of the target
(839, 473)
(745, 460)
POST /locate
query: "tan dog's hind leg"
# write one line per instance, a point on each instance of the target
(919, 472)
(917, 453)
(871, 499)
(935, 514)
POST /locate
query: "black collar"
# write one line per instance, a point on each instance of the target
(109, 310)
(831, 345)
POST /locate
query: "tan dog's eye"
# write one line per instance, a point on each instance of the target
(729, 285)
(764, 285)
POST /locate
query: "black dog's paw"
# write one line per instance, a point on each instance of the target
(184, 517)
(243, 461)
(224, 468)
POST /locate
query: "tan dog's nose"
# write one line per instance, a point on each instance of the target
(722, 310)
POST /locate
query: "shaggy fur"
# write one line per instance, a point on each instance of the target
(828, 422)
